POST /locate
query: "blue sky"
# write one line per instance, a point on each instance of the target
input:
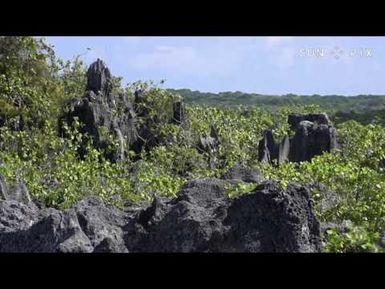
(266, 65)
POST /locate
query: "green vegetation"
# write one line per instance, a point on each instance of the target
(363, 108)
(35, 87)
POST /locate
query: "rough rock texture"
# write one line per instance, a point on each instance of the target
(101, 224)
(209, 144)
(201, 219)
(314, 135)
(283, 221)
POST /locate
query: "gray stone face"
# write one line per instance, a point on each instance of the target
(201, 219)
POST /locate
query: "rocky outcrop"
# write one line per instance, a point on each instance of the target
(104, 115)
(110, 119)
(201, 219)
(314, 134)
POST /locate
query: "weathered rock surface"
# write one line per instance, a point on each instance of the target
(201, 219)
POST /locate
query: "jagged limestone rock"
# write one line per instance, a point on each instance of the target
(200, 219)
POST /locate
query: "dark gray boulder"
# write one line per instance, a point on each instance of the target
(283, 221)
